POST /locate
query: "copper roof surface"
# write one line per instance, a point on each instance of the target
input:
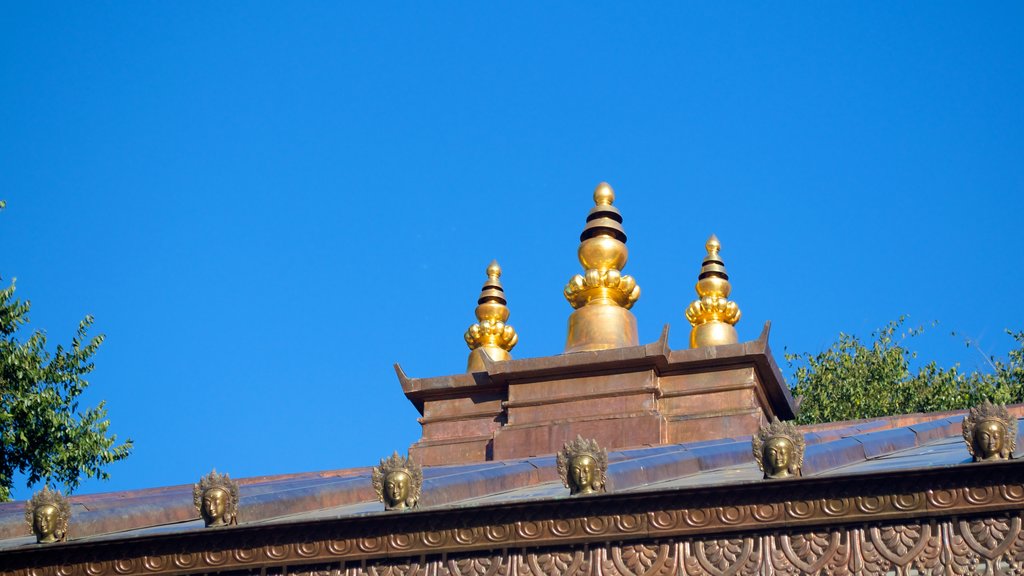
(866, 447)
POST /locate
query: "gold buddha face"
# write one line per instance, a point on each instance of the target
(778, 454)
(215, 504)
(44, 520)
(581, 474)
(396, 490)
(989, 439)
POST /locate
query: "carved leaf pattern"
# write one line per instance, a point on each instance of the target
(866, 559)
(641, 560)
(990, 532)
(900, 544)
(392, 569)
(991, 538)
(556, 564)
(955, 555)
(689, 560)
(491, 565)
(728, 557)
(929, 558)
(806, 553)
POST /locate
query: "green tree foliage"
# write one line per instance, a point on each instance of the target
(853, 379)
(43, 434)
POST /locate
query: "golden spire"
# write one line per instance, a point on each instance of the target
(602, 295)
(490, 334)
(712, 314)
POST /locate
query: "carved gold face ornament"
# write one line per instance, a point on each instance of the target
(396, 489)
(778, 453)
(779, 450)
(398, 482)
(216, 499)
(45, 520)
(990, 432)
(47, 515)
(583, 466)
(581, 472)
(214, 507)
(989, 438)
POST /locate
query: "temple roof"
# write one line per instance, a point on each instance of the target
(847, 449)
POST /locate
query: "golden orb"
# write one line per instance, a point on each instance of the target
(602, 253)
(713, 286)
(493, 269)
(603, 194)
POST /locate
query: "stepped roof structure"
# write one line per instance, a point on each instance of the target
(683, 463)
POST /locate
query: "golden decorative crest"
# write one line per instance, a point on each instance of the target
(990, 432)
(398, 482)
(216, 499)
(712, 314)
(490, 335)
(602, 295)
(779, 449)
(583, 466)
(47, 515)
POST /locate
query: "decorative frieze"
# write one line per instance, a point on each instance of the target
(988, 545)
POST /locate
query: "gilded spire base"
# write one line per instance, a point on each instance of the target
(495, 354)
(600, 326)
(713, 333)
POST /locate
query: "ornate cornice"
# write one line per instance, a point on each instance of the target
(828, 505)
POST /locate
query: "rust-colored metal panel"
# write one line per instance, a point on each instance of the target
(640, 429)
(712, 425)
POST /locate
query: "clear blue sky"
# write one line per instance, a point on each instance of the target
(265, 205)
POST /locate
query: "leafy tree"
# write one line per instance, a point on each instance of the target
(852, 380)
(42, 431)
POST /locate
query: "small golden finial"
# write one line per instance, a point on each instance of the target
(779, 449)
(494, 271)
(990, 432)
(712, 314)
(490, 335)
(583, 466)
(47, 515)
(398, 482)
(602, 295)
(216, 499)
(604, 195)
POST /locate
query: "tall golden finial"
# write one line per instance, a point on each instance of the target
(712, 314)
(602, 295)
(490, 335)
